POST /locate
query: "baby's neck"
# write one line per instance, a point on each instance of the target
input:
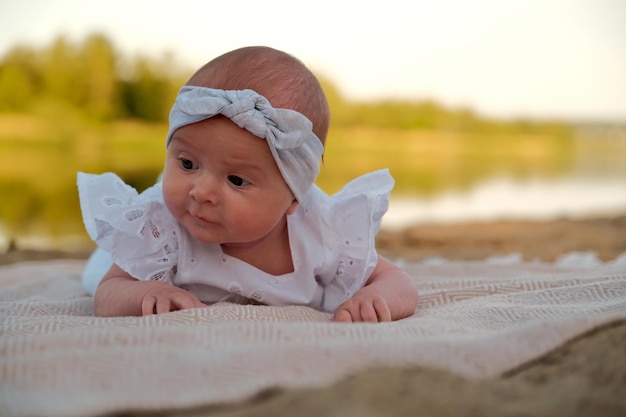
(271, 254)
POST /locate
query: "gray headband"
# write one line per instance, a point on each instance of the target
(289, 134)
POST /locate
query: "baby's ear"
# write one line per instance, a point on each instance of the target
(292, 207)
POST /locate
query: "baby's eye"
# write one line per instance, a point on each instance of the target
(187, 164)
(237, 181)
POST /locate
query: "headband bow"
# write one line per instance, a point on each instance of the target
(289, 134)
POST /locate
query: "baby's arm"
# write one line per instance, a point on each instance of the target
(389, 294)
(119, 294)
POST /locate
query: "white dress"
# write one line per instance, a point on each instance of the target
(331, 240)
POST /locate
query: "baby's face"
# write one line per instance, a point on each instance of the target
(222, 184)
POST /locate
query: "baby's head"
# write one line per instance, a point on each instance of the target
(282, 79)
(271, 95)
(244, 146)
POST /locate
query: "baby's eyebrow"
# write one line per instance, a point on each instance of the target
(245, 166)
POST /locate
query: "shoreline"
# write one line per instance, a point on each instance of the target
(533, 240)
(468, 241)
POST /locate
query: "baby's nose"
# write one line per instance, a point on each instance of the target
(205, 189)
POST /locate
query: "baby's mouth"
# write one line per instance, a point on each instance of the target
(200, 218)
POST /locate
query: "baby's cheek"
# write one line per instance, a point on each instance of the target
(173, 199)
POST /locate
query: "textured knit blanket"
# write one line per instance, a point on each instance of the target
(475, 319)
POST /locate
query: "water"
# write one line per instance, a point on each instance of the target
(504, 199)
(493, 199)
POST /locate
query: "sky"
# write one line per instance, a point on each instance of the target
(513, 58)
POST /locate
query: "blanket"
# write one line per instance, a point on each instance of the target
(475, 319)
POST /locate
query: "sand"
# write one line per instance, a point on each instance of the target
(545, 240)
(586, 377)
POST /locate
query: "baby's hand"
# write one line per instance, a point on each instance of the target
(389, 294)
(165, 298)
(364, 306)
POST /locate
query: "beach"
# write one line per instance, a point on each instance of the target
(474, 241)
(532, 240)
(587, 376)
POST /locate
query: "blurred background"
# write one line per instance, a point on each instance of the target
(482, 110)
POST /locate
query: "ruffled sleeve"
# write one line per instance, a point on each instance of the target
(136, 229)
(353, 218)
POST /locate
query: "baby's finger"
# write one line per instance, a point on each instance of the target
(367, 312)
(342, 315)
(382, 309)
(147, 306)
(163, 305)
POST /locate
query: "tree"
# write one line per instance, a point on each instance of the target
(18, 79)
(60, 72)
(148, 93)
(98, 77)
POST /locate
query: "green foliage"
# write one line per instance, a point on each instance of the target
(100, 93)
(90, 76)
(93, 77)
(148, 93)
(19, 79)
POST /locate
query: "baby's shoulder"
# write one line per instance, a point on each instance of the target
(109, 204)
(362, 201)
(347, 220)
(135, 228)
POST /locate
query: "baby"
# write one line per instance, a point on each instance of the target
(237, 216)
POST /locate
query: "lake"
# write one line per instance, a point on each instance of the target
(505, 199)
(492, 199)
